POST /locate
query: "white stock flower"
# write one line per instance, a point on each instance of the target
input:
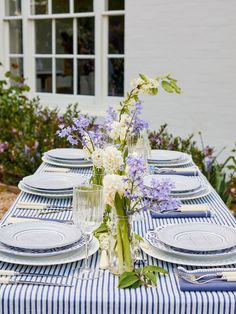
(145, 86)
(112, 159)
(97, 157)
(118, 130)
(112, 184)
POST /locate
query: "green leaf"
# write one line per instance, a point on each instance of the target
(167, 87)
(152, 277)
(127, 279)
(101, 229)
(155, 269)
(143, 77)
(154, 91)
(137, 284)
(138, 237)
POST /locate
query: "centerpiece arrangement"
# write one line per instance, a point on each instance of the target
(121, 173)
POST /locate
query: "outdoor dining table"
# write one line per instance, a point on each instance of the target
(102, 295)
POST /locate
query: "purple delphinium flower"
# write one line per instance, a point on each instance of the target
(157, 197)
(137, 124)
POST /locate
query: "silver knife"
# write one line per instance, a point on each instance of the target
(6, 272)
(7, 281)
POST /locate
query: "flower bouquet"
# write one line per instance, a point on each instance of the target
(120, 172)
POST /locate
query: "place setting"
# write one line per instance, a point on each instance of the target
(46, 243)
(194, 244)
(66, 157)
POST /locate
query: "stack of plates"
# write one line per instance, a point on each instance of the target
(66, 157)
(196, 244)
(57, 185)
(185, 188)
(169, 158)
(42, 243)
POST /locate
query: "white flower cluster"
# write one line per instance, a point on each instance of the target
(112, 159)
(145, 86)
(97, 157)
(112, 184)
(119, 128)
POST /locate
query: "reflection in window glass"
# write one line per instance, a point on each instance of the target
(13, 7)
(116, 77)
(116, 4)
(64, 36)
(15, 36)
(64, 75)
(39, 7)
(44, 75)
(116, 35)
(85, 35)
(43, 36)
(83, 5)
(60, 6)
(16, 66)
(85, 77)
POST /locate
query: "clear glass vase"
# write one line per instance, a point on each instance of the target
(120, 245)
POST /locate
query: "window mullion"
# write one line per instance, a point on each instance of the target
(75, 38)
(53, 55)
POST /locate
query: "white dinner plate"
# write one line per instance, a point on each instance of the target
(66, 153)
(181, 183)
(161, 155)
(68, 161)
(198, 236)
(67, 165)
(60, 192)
(38, 235)
(35, 253)
(153, 239)
(69, 257)
(53, 181)
(186, 260)
(45, 194)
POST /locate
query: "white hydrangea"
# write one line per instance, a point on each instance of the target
(112, 159)
(145, 86)
(97, 157)
(112, 184)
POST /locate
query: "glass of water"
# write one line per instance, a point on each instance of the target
(88, 209)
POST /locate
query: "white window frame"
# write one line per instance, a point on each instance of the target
(91, 104)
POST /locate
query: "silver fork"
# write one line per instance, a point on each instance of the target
(196, 279)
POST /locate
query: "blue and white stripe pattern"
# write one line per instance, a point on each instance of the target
(102, 295)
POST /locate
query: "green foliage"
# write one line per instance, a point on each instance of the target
(26, 130)
(220, 175)
(146, 276)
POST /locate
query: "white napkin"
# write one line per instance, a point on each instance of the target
(28, 205)
(194, 208)
(56, 169)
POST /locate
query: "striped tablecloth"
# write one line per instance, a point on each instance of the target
(102, 295)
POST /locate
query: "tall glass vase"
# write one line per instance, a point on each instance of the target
(120, 245)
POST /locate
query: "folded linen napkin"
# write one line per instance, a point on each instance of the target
(216, 285)
(185, 211)
(28, 205)
(190, 171)
(56, 169)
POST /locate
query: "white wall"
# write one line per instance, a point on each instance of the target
(196, 40)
